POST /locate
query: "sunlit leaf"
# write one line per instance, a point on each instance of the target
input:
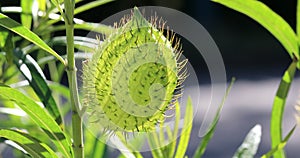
(33, 146)
(16, 27)
(268, 19)
(35, 76)
(90, 5)
(280, 146)
(207, 137)
(186, 130)
(40, 117)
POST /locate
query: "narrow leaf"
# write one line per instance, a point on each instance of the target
(186, 130)
(249, 147)
(202, 146)
(40, 117)
(90, 5)
(281, 145)
(33, 146)
(278, 108)
(154, 144)
(268, 19)
(34, 75)
(176, 128)
(16, 27)
(26, 16)
(92, 146)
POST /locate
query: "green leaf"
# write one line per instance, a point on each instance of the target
(176, 128)
(40, 117)
(281, 145)
(92, 146)
(278, 108)
(16, 27)
(268, 19)
(33, 146)
(34, 75)
(6, 44)
(186, 130)
(249, 147)
(26, 16)
(154, 144)
(202, 146)
(90, 5)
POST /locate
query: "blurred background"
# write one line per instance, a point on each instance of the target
(250, 53)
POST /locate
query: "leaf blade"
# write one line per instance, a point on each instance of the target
(186, 130)
(275, 24)
(37, 81)
(281, 145)
(90, 5)
(40, 117)
(16, 27)
(202, 146)
(33, 146)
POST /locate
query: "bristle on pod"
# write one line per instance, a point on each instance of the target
(134, 76)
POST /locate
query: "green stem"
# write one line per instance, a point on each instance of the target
(71, 71)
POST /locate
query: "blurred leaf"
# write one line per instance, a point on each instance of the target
(88, 26)
(6, 44)
(92, 146)
(154, 145)
(268, 19)
(249, 147)
(40, 117)
(176, 128)
(278, 108)
(186, 130)
(35, 76)
(27, 34)
(281, 145)
(26, 16)
(33, 146)
(90, 5)
(202, 146)
(57, 4)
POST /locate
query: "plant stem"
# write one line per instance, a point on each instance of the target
(71, 71)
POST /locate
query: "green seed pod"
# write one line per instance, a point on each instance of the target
(131, 80)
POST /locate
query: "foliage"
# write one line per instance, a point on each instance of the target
(278, 27)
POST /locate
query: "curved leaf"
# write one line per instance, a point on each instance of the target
(35, 76)
(16, 27)
(186, 130)
(33, 146)
(281, 145)
(202, 146)
(40, 117)
(90, 5)
(268, 19)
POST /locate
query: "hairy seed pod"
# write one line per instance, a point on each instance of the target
(130, 81)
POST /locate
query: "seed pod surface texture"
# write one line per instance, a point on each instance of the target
(131, 80)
